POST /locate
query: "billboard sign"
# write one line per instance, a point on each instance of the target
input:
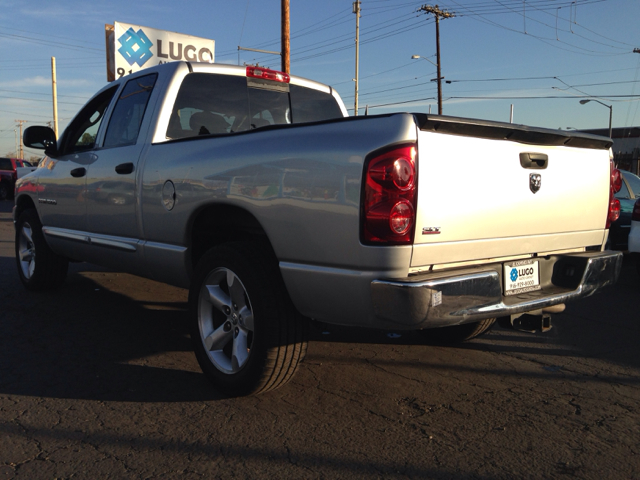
(132, 47)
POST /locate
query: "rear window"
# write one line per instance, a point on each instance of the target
(221, 104)
(5, 164)
(312, 105)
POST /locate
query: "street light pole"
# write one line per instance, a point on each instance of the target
(415, 57)
(610, 107)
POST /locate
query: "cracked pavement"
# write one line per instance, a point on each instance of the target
(97, 380)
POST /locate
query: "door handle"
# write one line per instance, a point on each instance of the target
(124, 168)
(78, 172)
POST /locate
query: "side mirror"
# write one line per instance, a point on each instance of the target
(43, 138)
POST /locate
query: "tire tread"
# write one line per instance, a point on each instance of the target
(286, 341)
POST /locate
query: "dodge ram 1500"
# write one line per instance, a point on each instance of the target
(256, 191)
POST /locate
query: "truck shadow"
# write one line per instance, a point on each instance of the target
(85, 341)
(603, 326)
(90, 340)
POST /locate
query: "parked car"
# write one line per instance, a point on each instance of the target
(628, 194)
(634, 234)
(8, 175)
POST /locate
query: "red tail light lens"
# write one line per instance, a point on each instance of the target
(390, 196)
(616, 180)
(614, 204)
(635, 215)
(614, 211)
(266, 74)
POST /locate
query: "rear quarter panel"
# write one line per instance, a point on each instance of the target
(302, 183)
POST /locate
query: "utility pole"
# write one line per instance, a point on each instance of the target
(20, 122)
(437, 13)
(54, 91)
(286, 44)
(356, 10)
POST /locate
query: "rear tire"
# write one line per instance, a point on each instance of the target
(457, 333)
(247, 336)
(39, 267)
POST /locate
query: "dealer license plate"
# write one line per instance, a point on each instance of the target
(521, 276)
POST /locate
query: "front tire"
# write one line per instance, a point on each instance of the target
(39, 267)
(247, 336)
(457, 333)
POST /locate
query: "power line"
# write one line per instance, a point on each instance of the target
(49, 43)
(540, 97)
(548, 41)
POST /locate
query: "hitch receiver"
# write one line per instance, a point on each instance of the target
(534, 321)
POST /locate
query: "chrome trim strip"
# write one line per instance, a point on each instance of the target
(68, 234)
(447, 299)
(105, 242)
(119, 243)
(166, 247)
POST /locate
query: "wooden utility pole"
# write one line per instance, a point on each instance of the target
(285, 27)
(436, 12)
(356, 10)
(20, 122)
(54, 89)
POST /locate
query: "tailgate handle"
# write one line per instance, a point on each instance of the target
(534, 160)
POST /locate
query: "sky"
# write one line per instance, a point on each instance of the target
(541, 56)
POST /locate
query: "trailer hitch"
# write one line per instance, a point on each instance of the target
(533, 321)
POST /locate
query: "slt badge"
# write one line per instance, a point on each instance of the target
(535, 181)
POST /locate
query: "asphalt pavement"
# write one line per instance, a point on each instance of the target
(97, 380)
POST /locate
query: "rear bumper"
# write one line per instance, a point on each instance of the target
(452, 298)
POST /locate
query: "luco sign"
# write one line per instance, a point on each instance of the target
(133, 47)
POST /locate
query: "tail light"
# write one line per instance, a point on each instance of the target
(616, 179)
(614, 203)
(635, 215)
(390, 195)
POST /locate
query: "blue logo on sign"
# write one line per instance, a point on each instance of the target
(514, 274)
(136, 47)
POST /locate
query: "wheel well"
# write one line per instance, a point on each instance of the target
(23, 202)
(218, 224)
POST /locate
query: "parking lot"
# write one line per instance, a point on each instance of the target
(97, 380)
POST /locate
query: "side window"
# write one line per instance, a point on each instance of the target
(127, 115)
(5, 164)
(311, 105)
(209, 104)
(81, 133)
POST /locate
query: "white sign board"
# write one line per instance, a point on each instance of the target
(135, 47)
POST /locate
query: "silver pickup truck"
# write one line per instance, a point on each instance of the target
(255, 190)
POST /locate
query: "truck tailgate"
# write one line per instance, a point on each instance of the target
(477, 198)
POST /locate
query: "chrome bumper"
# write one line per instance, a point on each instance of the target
(444, 298)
